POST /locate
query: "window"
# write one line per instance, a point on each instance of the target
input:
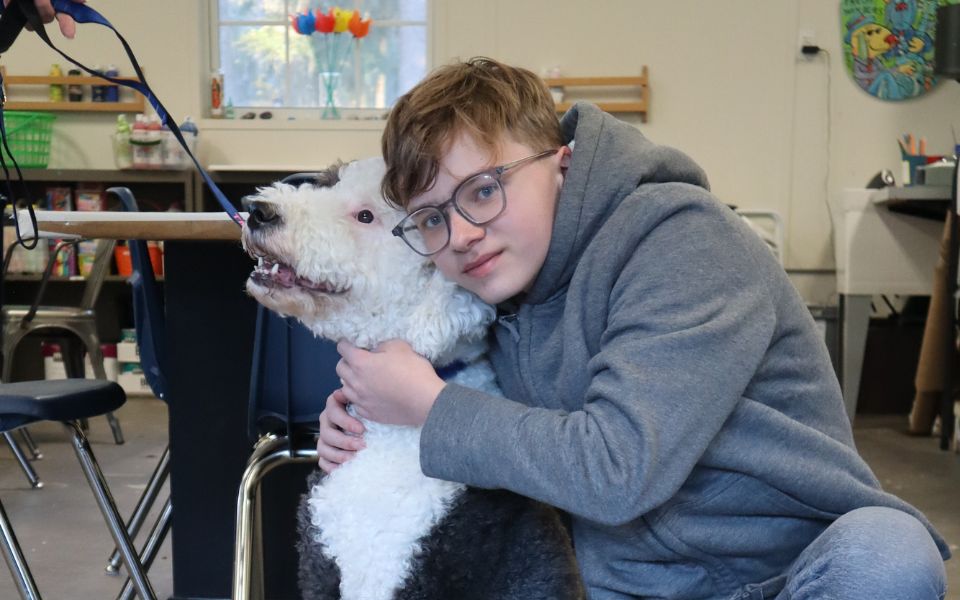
(266, 64)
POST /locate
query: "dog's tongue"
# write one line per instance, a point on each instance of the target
(285, 276)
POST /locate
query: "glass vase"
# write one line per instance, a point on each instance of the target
(328, 88)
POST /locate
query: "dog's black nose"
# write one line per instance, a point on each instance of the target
(262, 213)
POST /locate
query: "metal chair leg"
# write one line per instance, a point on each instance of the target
(109, 509)
(266, 457)
(22, 460)
(144, 504)
(31, 443)
(115, 428)
(15, 560)
(152, 546)
(92, 343)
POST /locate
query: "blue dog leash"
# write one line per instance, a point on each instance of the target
(23, 12)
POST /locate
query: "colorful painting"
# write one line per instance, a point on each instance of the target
(888, 45)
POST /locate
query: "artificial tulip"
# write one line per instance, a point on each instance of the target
(359, 28)
(305, 23)
(326, 22)
(342, 19)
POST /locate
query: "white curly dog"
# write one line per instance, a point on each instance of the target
(377, 527)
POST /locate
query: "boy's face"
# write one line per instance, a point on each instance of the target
(502, 258)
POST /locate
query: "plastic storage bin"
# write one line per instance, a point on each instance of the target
(28, 134)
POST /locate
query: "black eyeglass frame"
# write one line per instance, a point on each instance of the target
(495, 172)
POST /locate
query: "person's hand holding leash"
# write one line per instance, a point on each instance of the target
(67, 25)
(390, 384)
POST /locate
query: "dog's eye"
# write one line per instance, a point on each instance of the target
(365, 216)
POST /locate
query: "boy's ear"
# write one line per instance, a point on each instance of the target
(566, 158)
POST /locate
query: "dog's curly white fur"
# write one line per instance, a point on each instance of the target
(327, 257)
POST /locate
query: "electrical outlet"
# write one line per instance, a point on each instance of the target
(806, 37)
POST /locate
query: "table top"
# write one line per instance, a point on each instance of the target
(916, 193)
(926, 201)
(131, 225)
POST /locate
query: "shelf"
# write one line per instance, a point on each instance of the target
(75, 279)
(640, 106)
(137, 105)
(184, 176)
(76, 106)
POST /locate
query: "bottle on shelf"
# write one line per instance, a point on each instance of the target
(155, 141)
(174, 156)
(190, 132)
(75, 90)
(96, 90)
(216, 94)
(111, 92)
(56, 89)
(122, 150)
(138, 143)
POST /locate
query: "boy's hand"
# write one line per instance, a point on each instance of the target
(340, 434)
(391, 384)
(67, 25)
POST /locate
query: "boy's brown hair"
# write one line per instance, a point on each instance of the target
(481, 97)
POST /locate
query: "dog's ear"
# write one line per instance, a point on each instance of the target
(446, 315)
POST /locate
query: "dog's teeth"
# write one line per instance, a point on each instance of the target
(276, 267)
(260, 262)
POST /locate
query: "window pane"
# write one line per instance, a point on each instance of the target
(393, 59)
(252, 10)
(368, 73)
(393, 10)
(253, 63)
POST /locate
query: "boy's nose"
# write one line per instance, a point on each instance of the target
(463, 233)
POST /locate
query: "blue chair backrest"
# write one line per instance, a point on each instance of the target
(292, 374)
(148, 307)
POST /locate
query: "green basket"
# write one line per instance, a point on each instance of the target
(28, 135)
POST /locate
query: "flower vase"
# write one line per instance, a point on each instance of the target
(328, 86)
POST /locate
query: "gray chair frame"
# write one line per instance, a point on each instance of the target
(21, 320)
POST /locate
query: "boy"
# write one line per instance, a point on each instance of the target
(665, 384)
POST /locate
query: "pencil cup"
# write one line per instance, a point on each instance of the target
(910, 163)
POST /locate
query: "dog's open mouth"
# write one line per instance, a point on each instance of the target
(270, 272)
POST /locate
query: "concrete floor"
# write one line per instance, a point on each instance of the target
(63, 536)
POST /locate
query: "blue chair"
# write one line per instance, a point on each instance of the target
(67, 400)
(150, 323)
(292, 375)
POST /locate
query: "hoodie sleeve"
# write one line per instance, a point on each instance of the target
(687, 325)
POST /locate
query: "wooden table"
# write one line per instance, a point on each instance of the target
(132, 225)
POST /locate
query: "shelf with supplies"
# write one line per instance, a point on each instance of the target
(13, 82)
(637, 87)
(153, 189)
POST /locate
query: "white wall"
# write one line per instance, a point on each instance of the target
(728, 87)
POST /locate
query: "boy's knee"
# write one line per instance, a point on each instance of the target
(872, 552)
(897, 549)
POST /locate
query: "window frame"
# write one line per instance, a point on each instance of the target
(312, 112)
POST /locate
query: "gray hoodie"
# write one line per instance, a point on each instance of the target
(667, 386)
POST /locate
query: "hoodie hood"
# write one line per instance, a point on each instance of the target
(593, 189)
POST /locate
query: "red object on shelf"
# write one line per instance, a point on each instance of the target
(125, 266)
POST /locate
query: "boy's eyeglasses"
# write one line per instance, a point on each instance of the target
(479, 199)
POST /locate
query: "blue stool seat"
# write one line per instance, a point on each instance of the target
(57, 400)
